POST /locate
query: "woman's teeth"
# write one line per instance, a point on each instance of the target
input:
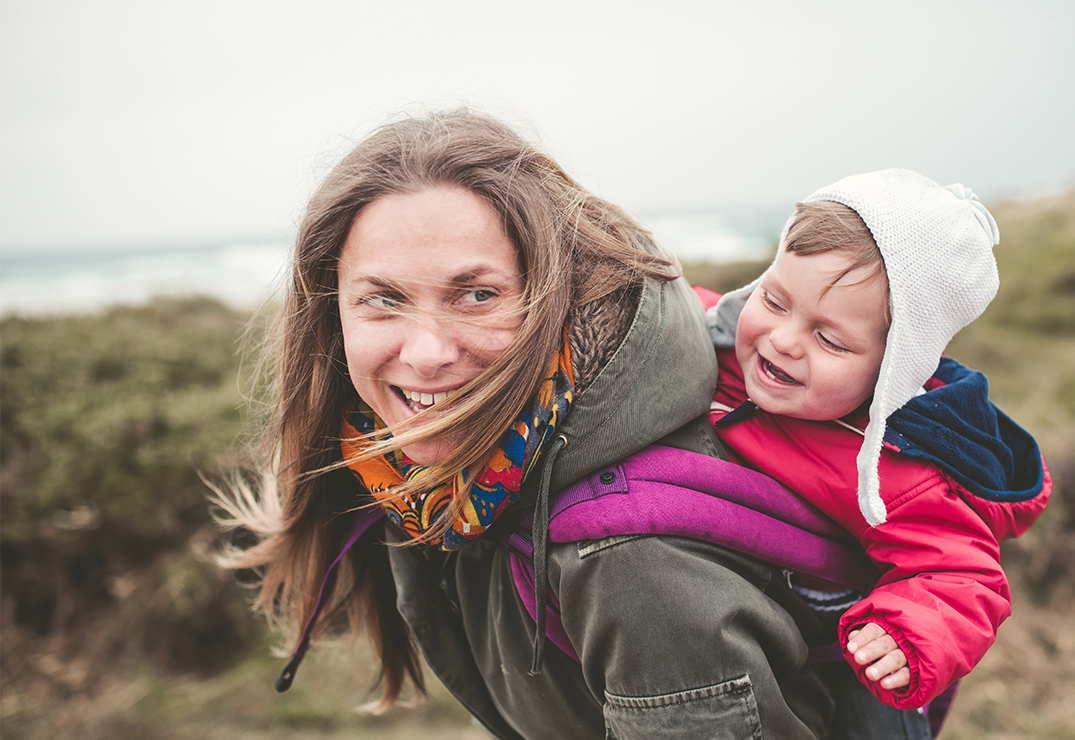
(424, 399)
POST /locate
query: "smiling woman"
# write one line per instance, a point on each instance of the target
(418, 330)
(468, 331)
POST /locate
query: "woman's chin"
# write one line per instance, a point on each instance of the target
(429, 452)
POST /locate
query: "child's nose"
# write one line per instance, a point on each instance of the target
(427, 348)
(786, 341)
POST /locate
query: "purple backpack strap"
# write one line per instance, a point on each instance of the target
(937, 710)
(667, 491)
(365, 519)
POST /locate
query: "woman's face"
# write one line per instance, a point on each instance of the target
(430, 295)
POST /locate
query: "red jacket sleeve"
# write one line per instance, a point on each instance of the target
(706, 296)
(943, 595)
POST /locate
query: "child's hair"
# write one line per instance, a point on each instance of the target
(574, 248)
(824, 226)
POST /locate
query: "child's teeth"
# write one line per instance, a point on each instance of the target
(427, 399)
(777, 374)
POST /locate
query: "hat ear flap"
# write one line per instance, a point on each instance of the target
(869, 484)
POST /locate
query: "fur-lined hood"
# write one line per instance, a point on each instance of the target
(643, 386)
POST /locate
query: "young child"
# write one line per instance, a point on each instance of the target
(832, 381)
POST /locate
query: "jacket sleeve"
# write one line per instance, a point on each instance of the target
(678, 635)
(942, 597)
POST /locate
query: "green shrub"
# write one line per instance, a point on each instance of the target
(105, 423)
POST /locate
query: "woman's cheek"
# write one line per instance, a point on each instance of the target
(365, 344)
(500, 341)
(488, 342)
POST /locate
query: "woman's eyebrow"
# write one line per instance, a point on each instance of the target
(476, 273)
(375, 280)
(462, 278)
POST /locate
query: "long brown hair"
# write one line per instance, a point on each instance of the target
(574, 248)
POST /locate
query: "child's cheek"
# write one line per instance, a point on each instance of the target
(746, 331)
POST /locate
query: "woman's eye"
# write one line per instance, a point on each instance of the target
(478, 295)
(382, 301)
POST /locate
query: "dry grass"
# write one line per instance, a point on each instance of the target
(238, 704)
(1023, 688)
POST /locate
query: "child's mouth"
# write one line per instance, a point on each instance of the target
(777, 374)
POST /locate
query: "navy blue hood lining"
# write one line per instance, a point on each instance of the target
(958, 429)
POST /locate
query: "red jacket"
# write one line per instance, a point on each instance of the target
(942, 593)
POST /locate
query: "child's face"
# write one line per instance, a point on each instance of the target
(808, 352)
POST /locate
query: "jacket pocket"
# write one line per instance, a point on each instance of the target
(723, 711)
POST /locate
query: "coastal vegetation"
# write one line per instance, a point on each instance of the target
(115, 624)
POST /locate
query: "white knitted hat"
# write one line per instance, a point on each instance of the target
(937, 245)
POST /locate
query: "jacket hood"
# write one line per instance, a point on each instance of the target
(955, 428)
(660, 377)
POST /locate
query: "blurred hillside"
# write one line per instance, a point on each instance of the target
(112, 623)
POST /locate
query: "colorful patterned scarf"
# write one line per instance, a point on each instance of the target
(494, 489)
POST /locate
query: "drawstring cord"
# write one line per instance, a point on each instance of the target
(365, 519)
(368, 517)
(540, 535)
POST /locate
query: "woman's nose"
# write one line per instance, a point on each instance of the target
(427, 348)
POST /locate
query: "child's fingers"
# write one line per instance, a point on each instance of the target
(867, 652)
(868, 633)
(872, 646)
(897, 680)
(891, 663)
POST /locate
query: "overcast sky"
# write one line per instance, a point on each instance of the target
(141, 121)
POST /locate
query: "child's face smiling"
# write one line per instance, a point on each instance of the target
(808, 350)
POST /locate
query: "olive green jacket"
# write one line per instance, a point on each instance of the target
(677, 638)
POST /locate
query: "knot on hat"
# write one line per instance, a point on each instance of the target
(981, 213)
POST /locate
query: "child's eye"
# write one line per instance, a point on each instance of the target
(768, 301)
(831, 344)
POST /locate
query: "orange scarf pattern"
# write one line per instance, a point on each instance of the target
(493, 490)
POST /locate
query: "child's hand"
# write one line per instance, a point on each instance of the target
(871, 644)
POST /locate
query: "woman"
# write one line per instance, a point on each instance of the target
(467, 329)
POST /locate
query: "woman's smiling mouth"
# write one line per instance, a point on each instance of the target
(419, 401)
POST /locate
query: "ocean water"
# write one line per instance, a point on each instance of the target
(718, 236)
(244, 274)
